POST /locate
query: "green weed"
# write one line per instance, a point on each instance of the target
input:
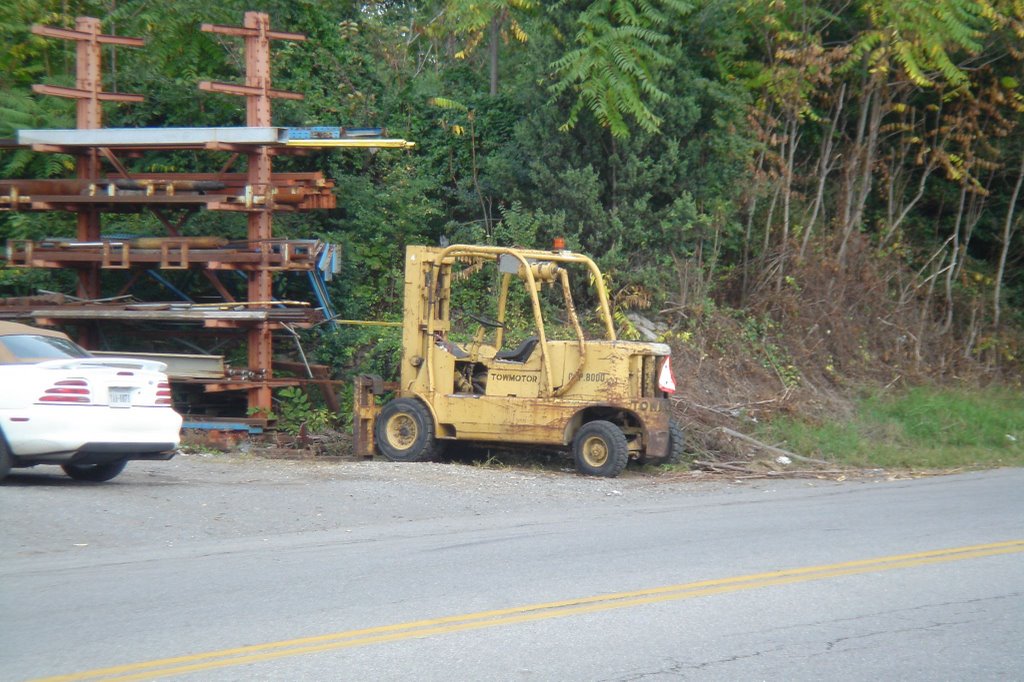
(920, 428)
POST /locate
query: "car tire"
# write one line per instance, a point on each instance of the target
(404, 431)
(6, 461)
(600, 449)
(94, 472)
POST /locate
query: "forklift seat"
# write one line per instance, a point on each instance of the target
(520, 353)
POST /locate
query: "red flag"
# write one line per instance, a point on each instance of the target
(665, 380)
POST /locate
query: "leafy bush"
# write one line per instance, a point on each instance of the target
(294, 409)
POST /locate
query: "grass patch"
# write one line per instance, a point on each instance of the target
(925, 428)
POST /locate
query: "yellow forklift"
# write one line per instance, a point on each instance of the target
(509, 364)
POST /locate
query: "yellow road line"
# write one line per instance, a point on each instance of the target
(558, 609)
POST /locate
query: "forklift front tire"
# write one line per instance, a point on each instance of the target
(405, 431)
(600, 449)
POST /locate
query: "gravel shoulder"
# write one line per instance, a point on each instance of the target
(228, 496)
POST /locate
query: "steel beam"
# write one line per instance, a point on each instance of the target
(150, 137)
(179, 366)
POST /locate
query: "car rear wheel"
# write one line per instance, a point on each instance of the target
(600, 449)
(94, 472)
(5, 458)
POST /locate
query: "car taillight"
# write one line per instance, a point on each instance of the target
(67, 391)
(163, 393)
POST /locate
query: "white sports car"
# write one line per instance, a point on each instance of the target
(90, 415)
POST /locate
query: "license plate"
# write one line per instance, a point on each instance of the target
(120, 397)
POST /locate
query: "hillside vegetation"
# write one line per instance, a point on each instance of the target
(822, 201)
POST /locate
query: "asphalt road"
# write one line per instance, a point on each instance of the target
(229, 568)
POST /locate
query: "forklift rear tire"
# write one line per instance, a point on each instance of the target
(600, 449)
(405, 431)
(676, 442)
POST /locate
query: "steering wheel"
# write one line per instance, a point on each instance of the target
(485, 321)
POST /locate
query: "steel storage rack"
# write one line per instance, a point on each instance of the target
(104, 182)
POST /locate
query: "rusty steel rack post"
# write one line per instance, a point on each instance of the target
(258, 93)
(89, 113)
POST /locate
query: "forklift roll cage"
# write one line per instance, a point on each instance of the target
(535, 268)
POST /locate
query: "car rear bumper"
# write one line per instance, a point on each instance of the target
(102, 453)
(60, 434)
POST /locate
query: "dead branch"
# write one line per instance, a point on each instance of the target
(745, 473)
(715, 410)
(718, 466)
(740, 406)
(770, 448)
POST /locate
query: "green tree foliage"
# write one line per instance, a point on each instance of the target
(924, 38)
(692, 145)
(496, 21)
(613, 69)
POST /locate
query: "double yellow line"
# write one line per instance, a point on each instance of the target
(180, 665)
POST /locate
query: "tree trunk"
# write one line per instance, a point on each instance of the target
(788, 153)
(493, 50)
(863, 163)
(752, 211)
(954, 258)
(825, 167)
(768, 222)
(852, 166)
(1008, 228)
(897, 209)
(975, 211)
